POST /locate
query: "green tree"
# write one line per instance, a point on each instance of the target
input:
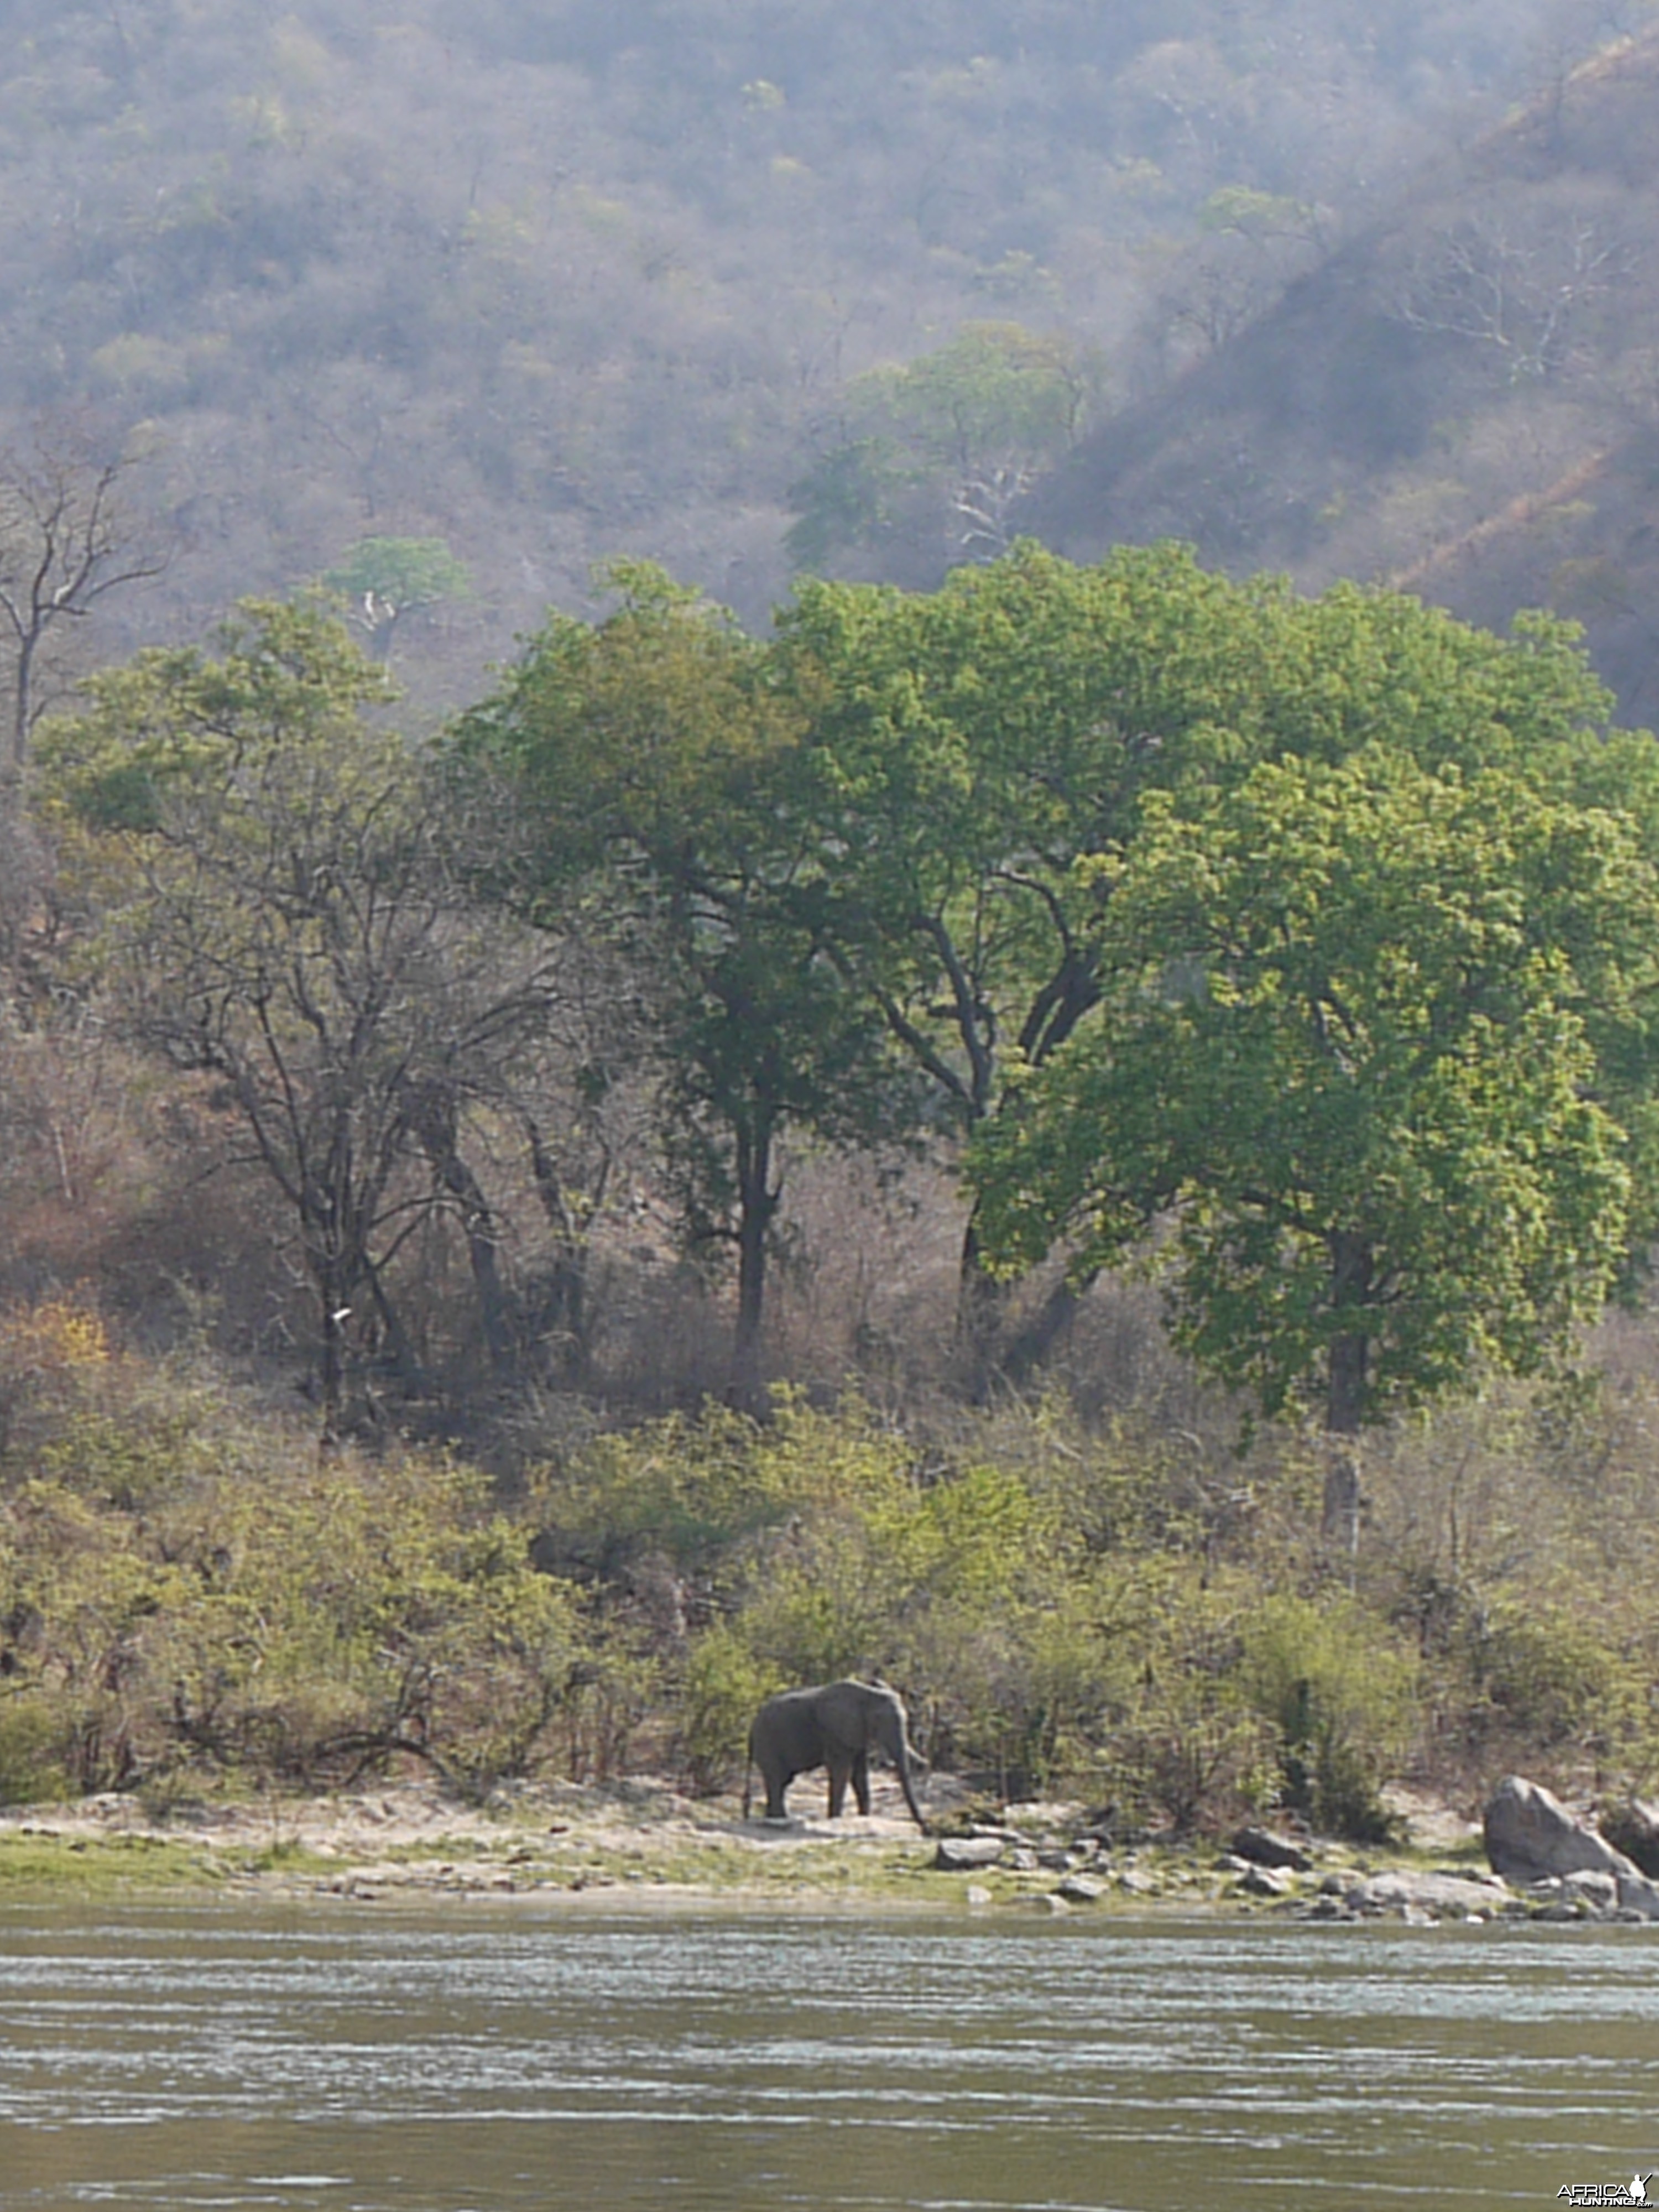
(962, 749)
(383, 578)
(959, 432)
(966, 748)
(1346, 1061)
(652, 756)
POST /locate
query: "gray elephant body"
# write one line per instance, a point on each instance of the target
(836, 1725)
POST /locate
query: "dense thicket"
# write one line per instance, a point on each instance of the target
(1299, 953)
(771, 1150)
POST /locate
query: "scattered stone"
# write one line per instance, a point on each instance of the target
(1634, 1829)
(1022, 1860)
(1444, 1895)
(1600, 1892)
(1139, 1884)
(1052, 1904)
(964, 1853)
(1329, 1906)
(1267, 1882)
(1081, 1889)
(1262, 1848)
(978, 1893)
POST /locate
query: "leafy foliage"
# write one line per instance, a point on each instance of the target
(652, 756)
(1368, 1015)
(313, 1623)
(385, 578)
(955, 437)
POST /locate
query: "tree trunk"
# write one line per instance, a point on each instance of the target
(1348, 1376)
(1346, 1385)
(1339, 1518)
(439, 1139)
(331, 1284)
(567, 1306)
(758, 1202)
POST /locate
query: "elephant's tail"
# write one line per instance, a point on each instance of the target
(748, 1773)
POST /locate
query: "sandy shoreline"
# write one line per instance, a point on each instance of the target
(640, 1841)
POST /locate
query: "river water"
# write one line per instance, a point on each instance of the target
(503, 2058)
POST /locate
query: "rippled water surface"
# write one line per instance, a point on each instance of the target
(500, 2057)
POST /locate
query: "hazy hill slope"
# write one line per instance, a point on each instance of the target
(554, 279)
(1463, 399)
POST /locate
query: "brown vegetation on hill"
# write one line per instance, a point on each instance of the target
(551, 285)
(1460, 399)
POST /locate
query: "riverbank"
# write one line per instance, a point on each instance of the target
(643, 1839)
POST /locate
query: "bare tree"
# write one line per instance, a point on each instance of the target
(67, 540)
(1516, 282)
(289, 919)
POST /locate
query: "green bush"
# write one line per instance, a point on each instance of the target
(310, 1627)
(1340, 1693)
(1557, 1675)
(33, 1765)
(725, 1683)
(185, 1590)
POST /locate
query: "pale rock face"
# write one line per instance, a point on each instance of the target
(1530, 1835)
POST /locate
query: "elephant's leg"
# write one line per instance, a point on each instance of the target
(841, 1770)
(861, 1780)
(777, 1785)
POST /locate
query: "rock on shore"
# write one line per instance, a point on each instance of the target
(1531, 1836)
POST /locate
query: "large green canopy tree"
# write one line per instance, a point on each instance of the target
(651, 758)
(1347, 1065)
(964, 749)
(960, 750)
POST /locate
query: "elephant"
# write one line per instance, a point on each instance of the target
(836, 1725)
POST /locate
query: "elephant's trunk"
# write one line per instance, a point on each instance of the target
(902, 1763)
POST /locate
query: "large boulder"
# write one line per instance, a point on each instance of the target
(1530, 1833)
(1633, 1828)
(1531, 1836)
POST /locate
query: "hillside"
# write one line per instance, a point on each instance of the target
(554, 282)
(1462, 400)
